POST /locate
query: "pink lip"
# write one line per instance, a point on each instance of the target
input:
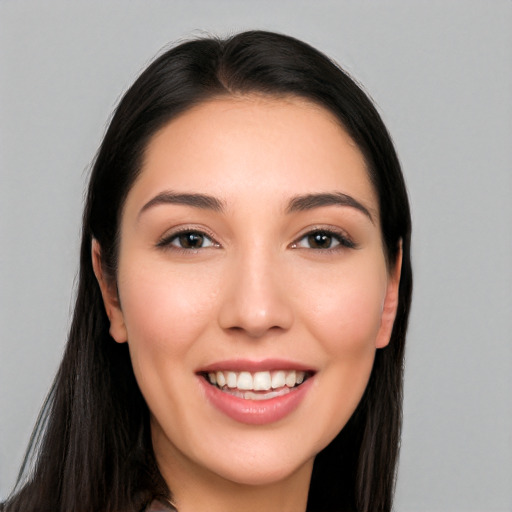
(255, 412)
(240, 365)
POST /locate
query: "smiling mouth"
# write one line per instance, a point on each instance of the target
(263, 385)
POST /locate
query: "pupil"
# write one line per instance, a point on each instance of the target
(320, 241)
(191, 240)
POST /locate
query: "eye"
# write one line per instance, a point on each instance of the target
(191, 240)
(323, 239)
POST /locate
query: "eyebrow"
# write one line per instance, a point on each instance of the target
(311, 201)
(296, 204)
(203, 201)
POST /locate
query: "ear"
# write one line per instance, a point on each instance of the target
(110, 296)
(390, 303)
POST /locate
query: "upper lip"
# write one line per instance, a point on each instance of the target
(240, 365)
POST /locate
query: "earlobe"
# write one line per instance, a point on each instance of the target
(109, 295)
(390, 303)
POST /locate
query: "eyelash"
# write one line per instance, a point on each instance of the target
(341, 239)
(167, 241)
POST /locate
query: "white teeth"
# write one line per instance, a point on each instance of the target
(221, 380)
(258, 381)
(249, 395)
(261, 381)
(290, 379)
(231, 379)
(278, 379)
(244, 381)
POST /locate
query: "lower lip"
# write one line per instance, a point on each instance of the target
(256, 412)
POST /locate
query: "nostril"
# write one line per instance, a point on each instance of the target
(256, 331)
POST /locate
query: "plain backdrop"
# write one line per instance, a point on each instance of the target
(440, 72)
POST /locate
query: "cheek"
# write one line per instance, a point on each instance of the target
(165, 311)
(344, 310)
(344, 319)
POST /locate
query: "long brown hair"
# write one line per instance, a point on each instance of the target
(91, 448)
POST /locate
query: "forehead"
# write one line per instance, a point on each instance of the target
(254, 146)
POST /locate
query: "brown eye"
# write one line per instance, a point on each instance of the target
(191, 240)
(320, 240)
(324, 240)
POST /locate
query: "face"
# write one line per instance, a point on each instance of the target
(253, 286)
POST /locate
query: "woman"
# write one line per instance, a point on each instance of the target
(245, 282)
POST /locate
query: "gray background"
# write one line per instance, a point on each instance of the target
(441, 75)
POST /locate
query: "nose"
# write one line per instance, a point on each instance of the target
(256, 298)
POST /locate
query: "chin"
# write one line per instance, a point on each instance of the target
(264, 475)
